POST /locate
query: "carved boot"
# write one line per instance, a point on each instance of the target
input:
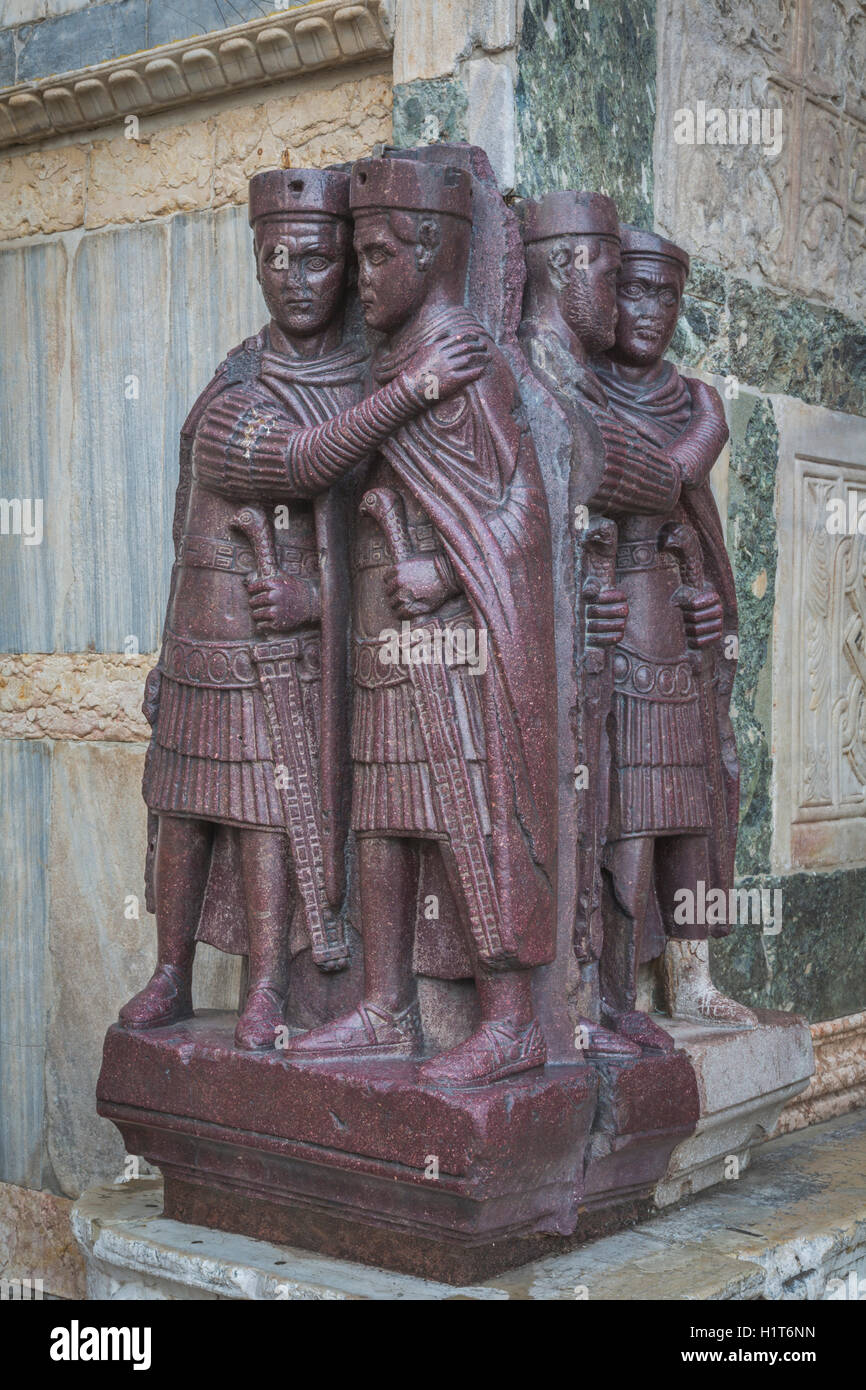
(496, 1050)
(369, 1029)
(166, 998)
(264, 1012)
(691, 994)
(639, 1028)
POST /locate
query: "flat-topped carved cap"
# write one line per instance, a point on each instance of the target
(571, 212)
(410, 185)
(307, 192)
(639, 243)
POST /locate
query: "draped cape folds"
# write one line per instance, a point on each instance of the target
(310, 391)
(471, 465)
(660, 408)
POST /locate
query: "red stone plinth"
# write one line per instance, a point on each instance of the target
(357, 1160)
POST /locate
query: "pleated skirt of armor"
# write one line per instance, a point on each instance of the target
(210, 755)
(661, 767)
(393, 791)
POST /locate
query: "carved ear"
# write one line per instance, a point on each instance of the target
(427, 244)
(559, 259)
(256, 258)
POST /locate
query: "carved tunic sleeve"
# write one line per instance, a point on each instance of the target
(701, 442)
(246, 447)
(637, 477)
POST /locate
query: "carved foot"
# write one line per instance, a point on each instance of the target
(368, 1029)
(639, 1028)
(264, 1013)
(496, 1050)
(166, 998)
(602, 1042)
(690, 992)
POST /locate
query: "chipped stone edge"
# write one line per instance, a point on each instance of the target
(323, 34)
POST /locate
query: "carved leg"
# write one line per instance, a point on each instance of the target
(689, 991)
(266, 869)
(628, 882)
(387, 1022)
(508, 1039)
(183, 851)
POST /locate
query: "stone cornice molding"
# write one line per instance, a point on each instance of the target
(323, 34)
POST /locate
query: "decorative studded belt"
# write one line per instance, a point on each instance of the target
(374, 665)
(229, 665)
(668, 679)
(208, 553)
(642, 555)
(371, 673)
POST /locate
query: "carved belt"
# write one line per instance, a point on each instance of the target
(226, 665)
(642, 555)
(373, 673)
(667, 679)
(207, 553)
(374, 553)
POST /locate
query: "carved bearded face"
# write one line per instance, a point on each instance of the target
(588, 268)
(301, 267)
(648, 294)
(395, 251)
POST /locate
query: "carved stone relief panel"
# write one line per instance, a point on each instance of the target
(792, 209)
(820, 650)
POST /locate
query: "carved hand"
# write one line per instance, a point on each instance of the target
(444, 368)
(284, 603)
(606, 613)
(416, 587)
(703, 618)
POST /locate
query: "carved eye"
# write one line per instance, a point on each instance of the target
(631, 290)
(376, 257)
(668, 298)
(317, 263)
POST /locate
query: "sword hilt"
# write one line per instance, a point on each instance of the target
(599, 540)
(386, 507)
(254, 525)
(682, 541)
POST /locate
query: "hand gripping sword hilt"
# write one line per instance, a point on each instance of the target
(254, 524)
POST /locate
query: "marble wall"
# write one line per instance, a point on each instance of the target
(126, 274)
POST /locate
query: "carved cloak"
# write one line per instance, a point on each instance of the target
(471, 464)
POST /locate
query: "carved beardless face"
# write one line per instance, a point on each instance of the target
(396, 253)
(583, 270)
(648, 294)
(301, 265)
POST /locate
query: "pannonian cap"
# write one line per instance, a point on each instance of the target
(411, 185)
(307, 192)
(571, 212)
(639, 243)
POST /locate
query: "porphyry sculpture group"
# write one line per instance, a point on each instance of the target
(440, 727)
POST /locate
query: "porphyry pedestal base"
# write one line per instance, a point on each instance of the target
(360, 1161)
